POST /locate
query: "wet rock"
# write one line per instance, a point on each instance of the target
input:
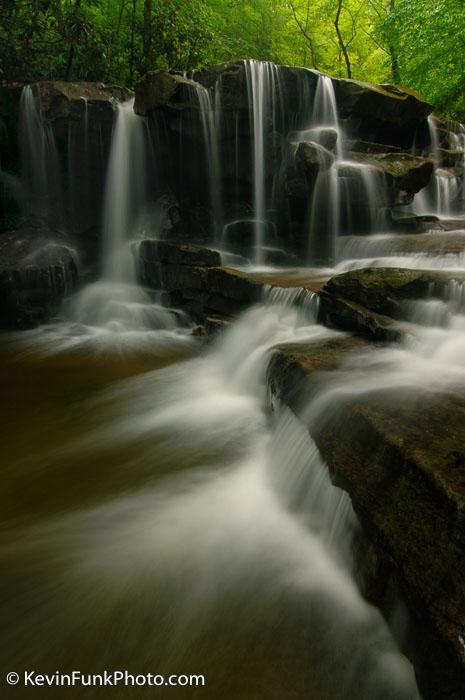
(382, 110)
(161, 88)
(312, 158)
(61, 100)
(450, 158)
(215, 324)
(359, 146)
(240, 236)
(368, 301)
(347, 315)
(324, 136)
(404, 171)
(233, 285)
(178, 253)
(398, 455)
(36, 273)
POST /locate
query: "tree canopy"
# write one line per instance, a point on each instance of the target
(415, 43)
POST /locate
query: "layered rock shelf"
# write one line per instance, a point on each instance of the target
(399, 456)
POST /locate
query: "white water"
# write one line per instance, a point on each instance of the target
(442, 196)
(262, 89)
(115, 314)
(39, 158)
(125, 193)
(238, 569)
(210, 115)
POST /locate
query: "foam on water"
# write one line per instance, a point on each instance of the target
(248, 557)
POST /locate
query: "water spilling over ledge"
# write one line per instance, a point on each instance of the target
(242, 381)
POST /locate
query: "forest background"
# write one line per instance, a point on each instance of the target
(419, 44)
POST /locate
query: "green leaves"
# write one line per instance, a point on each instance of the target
(417, 43)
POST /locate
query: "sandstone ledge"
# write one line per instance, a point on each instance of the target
(402, 464)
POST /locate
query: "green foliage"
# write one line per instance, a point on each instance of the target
(430, 35)
(416, 43)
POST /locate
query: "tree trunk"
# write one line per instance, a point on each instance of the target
(341, 40)
(133, 31)
(72, 48)
(147, 36)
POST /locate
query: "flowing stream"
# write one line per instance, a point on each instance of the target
(162, 512)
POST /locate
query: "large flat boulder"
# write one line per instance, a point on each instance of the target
(163, 89)
(399, 454)
(372, 301)
(383, 103)
(403, 171)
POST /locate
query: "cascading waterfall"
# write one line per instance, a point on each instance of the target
(116, 304)
(230, 535)
(125, 193)
(346, 190)
(441, 196)
(39, 158)
(262, 91)
(324, 218)
(210, 115)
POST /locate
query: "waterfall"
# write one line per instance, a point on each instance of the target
(262, 93)
(115, 312)
(325, 113)
(324, 211)
(125, 193)
(39, 158)
(210, 115)
(440, 196)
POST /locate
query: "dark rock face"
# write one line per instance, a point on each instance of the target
(37, 271)
(380, 123)
(78, 120)
(311, 158)
(382, 113)
(178, 254)
(401, 463)
(195, 281)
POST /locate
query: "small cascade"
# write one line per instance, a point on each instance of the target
(442, 196)
(262, 87)
(298, 297)
(349, 196)
(210, 115)
(444, 307)
(325, 114)
(39, 159)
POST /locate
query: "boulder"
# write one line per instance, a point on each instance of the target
(164, 89)
(312, 158)
(404, 171)
(37, 270)
(60, 100)
(399, 456)
(382, 104)
(384, 289)
(369, 301)
(325, 136)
